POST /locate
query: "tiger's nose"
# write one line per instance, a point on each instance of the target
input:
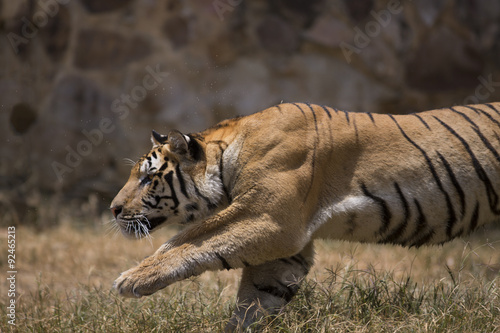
(116, 210)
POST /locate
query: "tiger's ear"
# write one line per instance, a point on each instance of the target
(179, 143)
(158, 139)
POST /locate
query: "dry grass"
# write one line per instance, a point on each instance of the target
(65, 275)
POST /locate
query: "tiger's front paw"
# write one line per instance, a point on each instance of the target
(138, 282)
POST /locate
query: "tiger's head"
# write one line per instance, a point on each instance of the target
(172, 184)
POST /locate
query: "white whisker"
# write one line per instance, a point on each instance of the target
(136, 229)
(112, 228)
(138, 225)
(146, 218)
(147, 235)
(129, 162)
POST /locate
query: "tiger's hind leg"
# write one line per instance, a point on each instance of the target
(265, 289)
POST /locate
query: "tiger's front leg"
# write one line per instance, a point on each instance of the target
(265, 289)
(245, 240)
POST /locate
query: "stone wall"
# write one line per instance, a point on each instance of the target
(83, 82)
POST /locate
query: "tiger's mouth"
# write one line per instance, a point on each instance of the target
(140, 226)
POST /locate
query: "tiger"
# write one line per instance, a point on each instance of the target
(254, 192)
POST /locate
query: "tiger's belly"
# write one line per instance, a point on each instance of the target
(394, 219)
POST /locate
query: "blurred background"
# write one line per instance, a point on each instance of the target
(83, 82)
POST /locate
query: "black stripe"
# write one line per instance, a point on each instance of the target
(327, 112)
(422, 220)
(286, 261)
(163, 166)
(493, 120)
(298, 258)
(303, 113)
(371, 117)
(469, 107)
(451, 213)
(292, 261)
(180, 178)
(284, 292)
(421, 120)
(455, 183)
(157, 198)
(486, 142)
(474, 218)
(424, 239)
(398, 232)
(421, 227)
(493, 108)
(347, 116)
(463, 115)
(385, 212)
(169, 178)
(482, 175)
(477, 110)
(497, 137)
(147, 203)
(195, 149)
(355, 126)
(314, 118)
(224, 262)
(154, 154)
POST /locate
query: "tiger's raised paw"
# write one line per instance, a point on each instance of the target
(135, 283)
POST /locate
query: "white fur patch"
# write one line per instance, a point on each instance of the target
(150, 166)
(212, 186)
(229, 159)
(340, 211)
